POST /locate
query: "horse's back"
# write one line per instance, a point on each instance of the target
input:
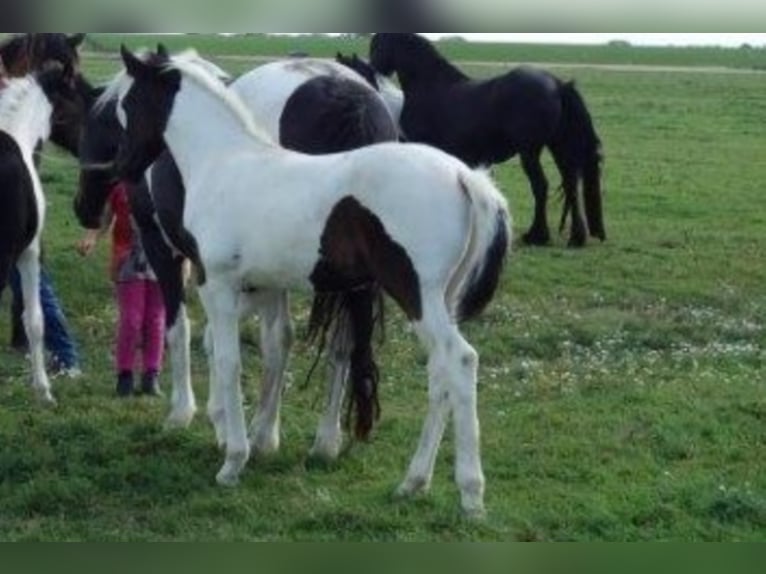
(486, 121)
(331, 114)
(266, 89)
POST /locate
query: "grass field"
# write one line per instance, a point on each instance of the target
(622, 388)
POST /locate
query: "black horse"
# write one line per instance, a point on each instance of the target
(322, 113)
(488, 122)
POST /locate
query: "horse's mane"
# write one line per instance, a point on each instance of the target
(199, 70)
(14, 96)
(120, 83)
(437, 66)
(202, 73)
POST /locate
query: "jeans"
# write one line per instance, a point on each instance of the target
(58, 340)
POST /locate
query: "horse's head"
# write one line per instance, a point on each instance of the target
(98, 145)
(47, 48)
(36, 51)
(361, 67)
(63, 88)
(383, 52)
(144, 108)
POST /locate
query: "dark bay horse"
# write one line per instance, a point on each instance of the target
(488, 122)
(26, 52)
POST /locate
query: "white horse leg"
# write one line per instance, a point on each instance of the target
(421, 470)
(329, 437)
(452, 368)
(183, 403)
(29, 270)
(221, 301)
(464, 364)
(276, 341)
(215, 407)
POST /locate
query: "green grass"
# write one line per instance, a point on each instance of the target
(622, 387)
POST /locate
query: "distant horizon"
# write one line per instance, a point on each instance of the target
(731, 40)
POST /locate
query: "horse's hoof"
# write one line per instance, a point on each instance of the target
(536, 239)
(227, 480)
(180, 420)
(229, 475)
(577, 242)
(412, 487)
(475, 513)
(264, 446)
(326, 452)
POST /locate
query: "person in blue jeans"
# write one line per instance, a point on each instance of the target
(64, 356)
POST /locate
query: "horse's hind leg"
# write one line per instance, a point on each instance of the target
(570, 183)
(29, 270)
(276, 341)
(452, 368)
(539, 233)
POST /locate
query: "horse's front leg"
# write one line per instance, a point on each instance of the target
(29, 271)
(539, 233)
(276, 341)
(183, 403)
(221, 301)
(329, 436)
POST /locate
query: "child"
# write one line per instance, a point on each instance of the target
(139, 299)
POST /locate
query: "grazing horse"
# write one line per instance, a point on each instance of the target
(28, 107)
(312, 106)
(33, 51)
(488, 122)
(432, 233)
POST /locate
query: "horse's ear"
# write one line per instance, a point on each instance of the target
(162, 51)
(133, 65)
(76, 40)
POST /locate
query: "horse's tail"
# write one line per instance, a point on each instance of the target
(584, 149)
(475, 280)
(346, 321)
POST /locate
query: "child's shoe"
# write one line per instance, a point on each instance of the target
(125, 384)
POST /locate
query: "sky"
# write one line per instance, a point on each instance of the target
(639, 39)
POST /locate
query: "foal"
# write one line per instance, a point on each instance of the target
(431, 232)
(28, 107)
(308, 105)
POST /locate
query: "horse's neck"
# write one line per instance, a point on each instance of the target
(203, 128)
(29, 123)
(427, 68)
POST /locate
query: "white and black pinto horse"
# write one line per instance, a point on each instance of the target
(430, 231)
(488, 122)
(308, 105)
(28, 108)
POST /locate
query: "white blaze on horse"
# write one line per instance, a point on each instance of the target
(28, 107)
(431, 232)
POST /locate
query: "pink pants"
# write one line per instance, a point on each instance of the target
(141, 323)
